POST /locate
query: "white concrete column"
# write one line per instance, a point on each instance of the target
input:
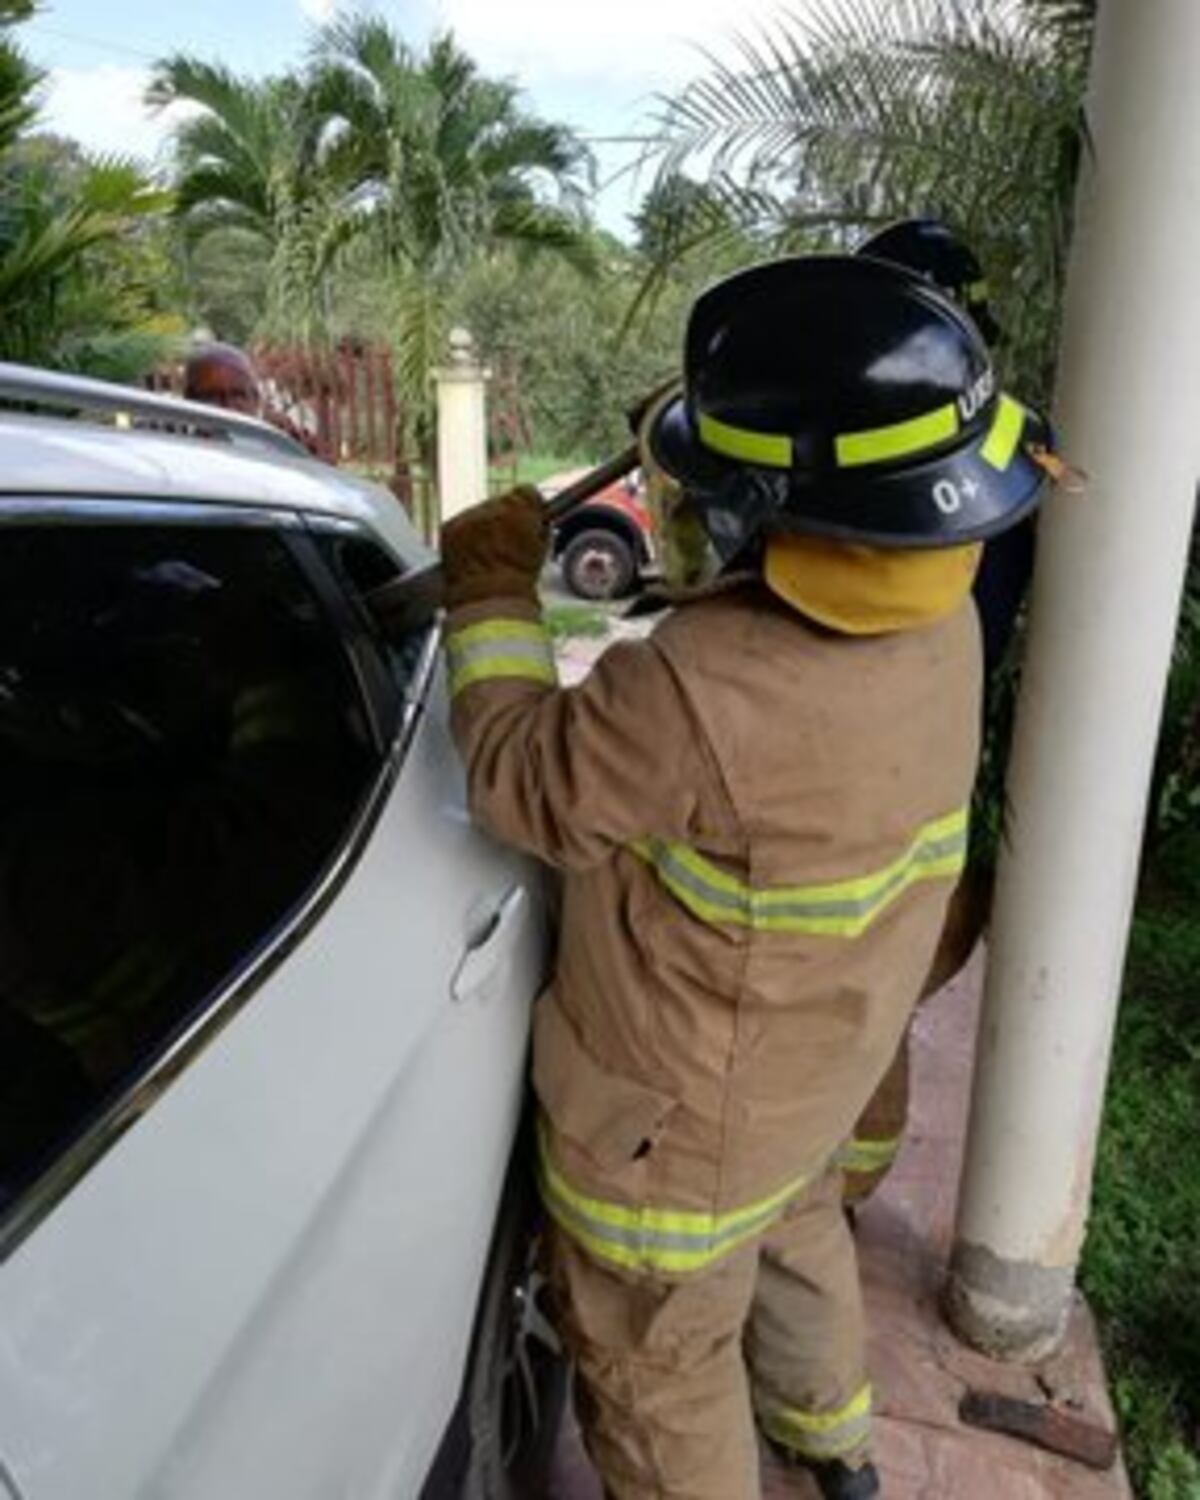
(462, 470)
(1106, 594)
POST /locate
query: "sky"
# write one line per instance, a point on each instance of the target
(595, 64)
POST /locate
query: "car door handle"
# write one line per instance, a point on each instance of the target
(488, 949)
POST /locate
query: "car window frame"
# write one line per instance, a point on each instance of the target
(359, 624)
(182, 1046)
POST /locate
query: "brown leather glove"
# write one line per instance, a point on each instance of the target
(496, 550)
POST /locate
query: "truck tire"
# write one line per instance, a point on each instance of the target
(599, 564)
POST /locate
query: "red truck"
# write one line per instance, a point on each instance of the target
(605, 547)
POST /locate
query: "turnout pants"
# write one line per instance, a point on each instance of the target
(673, 1375)
(868, 1157)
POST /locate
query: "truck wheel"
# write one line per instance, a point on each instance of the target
(517, 1386)
(598, 565)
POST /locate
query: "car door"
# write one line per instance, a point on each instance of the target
(273, 990)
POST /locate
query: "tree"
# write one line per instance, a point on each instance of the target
(247, 162)
(74, 232)
(87, 279)
(855, 114)
(17, 79)
(227, 283)
(556, 332)
(445, 168)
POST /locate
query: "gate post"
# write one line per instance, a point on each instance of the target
(462, 467)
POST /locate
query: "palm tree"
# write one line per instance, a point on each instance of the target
(858, 113)
(446, 167)
(17, 79)
(248, 162)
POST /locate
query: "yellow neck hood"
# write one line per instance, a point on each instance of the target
(869, 590)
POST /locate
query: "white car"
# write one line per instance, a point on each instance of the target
(265, 1232)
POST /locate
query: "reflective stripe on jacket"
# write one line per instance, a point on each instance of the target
(759, 824)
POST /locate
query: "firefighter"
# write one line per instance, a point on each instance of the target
(932, 250)
(760, 812)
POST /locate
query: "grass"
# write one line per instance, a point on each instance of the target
(1141, 1267)
(563, 620)
(533, 468)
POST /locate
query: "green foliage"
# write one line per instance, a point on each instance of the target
(83, 280)
(372, 181)
(849, 115)
(447, 169)
(532, 468)
(85, 271)
(1142, 1260)
(557, 332)
(564, 621)
(248, 164)
(18, 79)
(225, 283)
(1175, 1474)
(449, 160)
(1175, 791)
(561, 334)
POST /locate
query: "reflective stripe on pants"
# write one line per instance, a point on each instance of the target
(664, 1398)
(868, 1156)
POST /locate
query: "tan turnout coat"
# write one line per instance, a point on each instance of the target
(759, 824)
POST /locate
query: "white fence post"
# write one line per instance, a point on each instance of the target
(462, 467)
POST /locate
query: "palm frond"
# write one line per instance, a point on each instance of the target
(19, 81)
(536, 228)
(855, 111)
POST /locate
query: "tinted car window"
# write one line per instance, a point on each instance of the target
(182, 750)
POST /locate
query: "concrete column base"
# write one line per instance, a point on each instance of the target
(1010, 1310)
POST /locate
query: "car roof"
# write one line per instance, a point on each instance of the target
(76, 459)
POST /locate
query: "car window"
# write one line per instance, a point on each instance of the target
(183, 749)
(362, 566)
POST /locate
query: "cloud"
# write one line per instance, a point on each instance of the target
(320, 11)
(630, 43)
(102, 108)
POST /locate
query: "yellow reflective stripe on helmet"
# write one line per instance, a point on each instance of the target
(901, 440)
(842, 908)
(500, 649)
(861, 1155)
(653, 1239)
(1007, 427)
(773, 450)
(820, 1434)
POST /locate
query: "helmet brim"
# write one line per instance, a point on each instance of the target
(948, 499)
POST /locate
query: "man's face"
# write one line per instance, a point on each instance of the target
(226, 384)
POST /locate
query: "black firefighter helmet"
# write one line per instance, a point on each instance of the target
(931, 249)
(847, 398)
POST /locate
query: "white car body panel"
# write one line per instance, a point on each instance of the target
(265, 1289)
(39, 456)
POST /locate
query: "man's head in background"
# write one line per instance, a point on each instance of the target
(222, 375)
